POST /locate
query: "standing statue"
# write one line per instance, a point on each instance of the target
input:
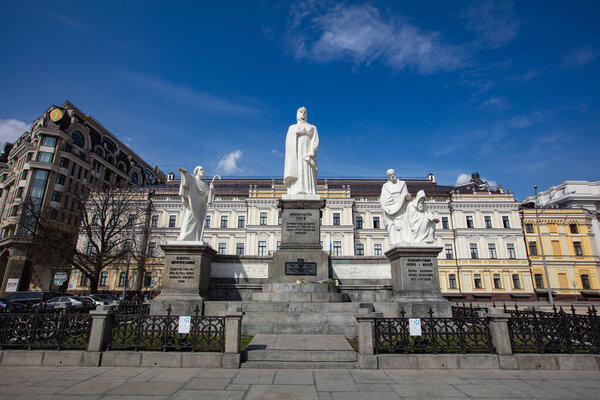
(394, 199)
(196, 195)
(301, 144)
(421, 222)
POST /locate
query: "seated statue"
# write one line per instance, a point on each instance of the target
(421, 222)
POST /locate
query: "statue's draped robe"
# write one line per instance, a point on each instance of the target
(393, 200)
(421, 223)
(194, 194)
(300, 176)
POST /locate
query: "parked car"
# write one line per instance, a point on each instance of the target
(20, 300)
(105, 298)
(69, 300)
(89, 301)
(3, 303)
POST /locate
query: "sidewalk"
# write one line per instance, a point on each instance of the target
(246, 384)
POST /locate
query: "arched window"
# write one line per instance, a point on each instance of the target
(78, 139)
(149, 176)
(121, 166)
(134, 178)
(99, 152)
(109, 145)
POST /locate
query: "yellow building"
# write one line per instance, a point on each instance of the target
(568, 243)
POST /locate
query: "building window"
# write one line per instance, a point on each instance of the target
(337, 248)
(477, 281)
(49, 141)
(445, 223)
(44, 156)
(239, 249)
(207, 221)
(84, 281)
(278, 244)
(78, 140)
(469, 221)
(533, 249)
(20, 192)
(474, 253)
(172, 221)
(262, 248)
(505, 221)
(573, 228)
(516, 281)
(279, 220)
(224, 220)
(452, 281)
(376, 224)
(359, 249)
(151, 249)
(377, 249)
(585, 282)
(529, 228)
(488, 221)
(359, 222)
(121, 279)
(263, 218)
(134, 178)
(510, 249)
(222, 248)
(497, 281)
(154, 221)
(241, 221)
(578, 249)
(103, 279)
(148, 279)
(24, 174)
(336, 218)
(449, 252)
(492, 250)
(64, 162)
(539, 281)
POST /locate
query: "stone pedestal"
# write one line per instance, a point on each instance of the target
(300, 255)
(185, 278)
(416, 282)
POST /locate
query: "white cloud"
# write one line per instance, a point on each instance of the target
(277, 153)
(361, 34)
(228, 163)
(580, 56)
(494, 23)
(11, 129)
(497, 102)
(463, 178)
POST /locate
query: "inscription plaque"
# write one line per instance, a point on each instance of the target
(300, 268)
(420, 269)
(182, 269)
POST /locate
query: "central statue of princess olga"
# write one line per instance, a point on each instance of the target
(301, 144)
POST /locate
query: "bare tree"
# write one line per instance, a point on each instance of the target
(100, 237)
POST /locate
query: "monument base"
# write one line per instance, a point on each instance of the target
(185, 278)
(415, 280)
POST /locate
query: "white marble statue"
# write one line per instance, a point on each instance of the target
(301, 144)
(394, 199)
(196, 195)
(421, 222)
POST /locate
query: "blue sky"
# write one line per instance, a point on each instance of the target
(510, 90)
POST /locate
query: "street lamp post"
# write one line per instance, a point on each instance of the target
(128, 259)
(537, 225)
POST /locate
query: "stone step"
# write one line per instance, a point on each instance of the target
(300, 288)
(299, 365)
(300, 318)
(216, 307)
(301, 355)
(315, 297)
(250, 329)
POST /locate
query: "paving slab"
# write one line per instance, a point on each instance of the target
(145, 388)
(207, 384)
(254, 376)
(207, 394)
(492, 390)
(294, 377)
(429, 390)
(299, 342)
(277, 392)
(97, 385)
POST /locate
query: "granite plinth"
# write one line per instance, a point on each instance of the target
(185, 279)
(415, 280)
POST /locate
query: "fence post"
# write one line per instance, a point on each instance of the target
(499, 330)
(102, 321)
(233, 331)
(366, 338)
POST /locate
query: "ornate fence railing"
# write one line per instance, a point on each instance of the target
(464, 311)
(438, 335)
(133, 308)
(56, 330)
(161, 332)
(554, 332)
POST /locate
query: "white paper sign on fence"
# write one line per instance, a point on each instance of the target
(184, 324)
(414, 326)
(11, 285)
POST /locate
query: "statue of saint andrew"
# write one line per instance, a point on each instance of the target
(195, 195)
(301, 144)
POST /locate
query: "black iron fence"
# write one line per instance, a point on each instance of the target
(463, 334)
(161, 332)
(467, 311)
(133, 308)
(37, 330)
(559, 331)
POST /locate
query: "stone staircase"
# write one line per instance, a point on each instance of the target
(299, 351)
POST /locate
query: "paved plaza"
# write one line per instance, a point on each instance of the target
(46, 383)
